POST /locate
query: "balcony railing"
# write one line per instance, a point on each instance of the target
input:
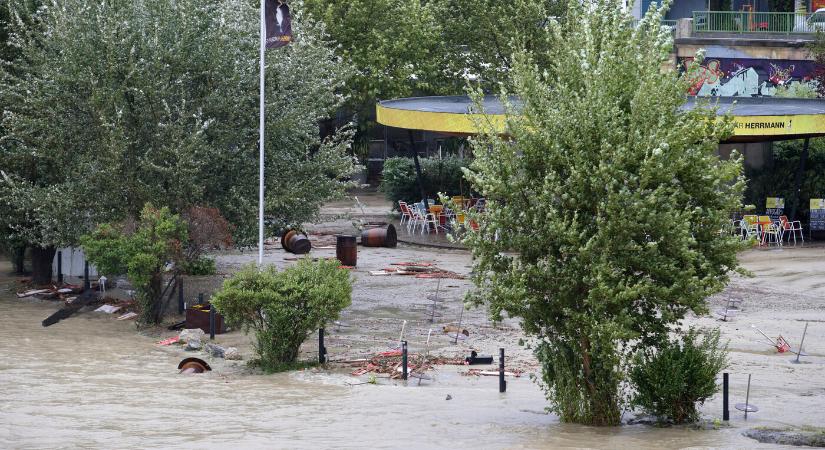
(757, 22)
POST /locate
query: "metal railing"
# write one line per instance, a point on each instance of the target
(757, 22)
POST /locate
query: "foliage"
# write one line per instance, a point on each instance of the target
(798, 89)
(199, 266)
(115, 104)
(779, 178)
(282, 308)
(482, 35)
(439, 175)
(142, 251)
(672, 378)
(604, 202)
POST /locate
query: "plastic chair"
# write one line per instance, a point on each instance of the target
(791, 227)
(771, 233)
(750, 229)
(405, 211)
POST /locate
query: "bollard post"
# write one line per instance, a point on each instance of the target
(181, 304)
(211, 322)
(502, 383)
(86, 283)
(725, 411)
(322, 350)
(59, 266)
(403, 360)
(200, 298)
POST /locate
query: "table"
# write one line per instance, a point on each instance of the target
(761, 227)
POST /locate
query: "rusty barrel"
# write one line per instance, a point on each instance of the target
(346, 249)
(379, 237)
(296, 242)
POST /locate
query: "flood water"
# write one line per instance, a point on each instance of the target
(91, 381)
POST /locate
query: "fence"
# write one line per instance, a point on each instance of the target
(757, 22)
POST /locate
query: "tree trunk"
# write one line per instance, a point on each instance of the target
(18, 259)
(42, 259)
(154, 300)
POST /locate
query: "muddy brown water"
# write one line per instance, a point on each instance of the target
(93, 382)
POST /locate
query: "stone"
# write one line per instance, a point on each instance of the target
(191, 334)
(193, 344)
(214, 350)
(232, 353)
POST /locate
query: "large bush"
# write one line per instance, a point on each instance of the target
(439, 175)
(671, 380)
(282, 308)
(141, 251)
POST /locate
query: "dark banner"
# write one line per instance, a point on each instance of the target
(278, 24)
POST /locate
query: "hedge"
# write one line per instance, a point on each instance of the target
(439, 175)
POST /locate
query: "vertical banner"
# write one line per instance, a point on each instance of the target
(774, 207)
(817, 214)
(278, 24)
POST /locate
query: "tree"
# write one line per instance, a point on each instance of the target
(604, 205)
(115, 104)
(141, 250)
(282, 308)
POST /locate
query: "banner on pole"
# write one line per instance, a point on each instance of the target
(278, 24)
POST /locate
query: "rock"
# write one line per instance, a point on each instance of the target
(809, 438)
(193, 344)
(214, 350)
(449, 397)
(232, 353)
(191, 334)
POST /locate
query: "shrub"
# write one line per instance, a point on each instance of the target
(439, 175)
(282, 308)
(199, 266)
(670, 381)
(141, 251)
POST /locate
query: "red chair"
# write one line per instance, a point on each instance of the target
(405, 212)
(792, 227)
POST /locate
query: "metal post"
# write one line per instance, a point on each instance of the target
(322, 350)
(86, 284)
(725, 411)
(261, 142)
(403, 360)
(200, 298)
(802, 342)
(181, 305)
(800, 171)
(748, 397)
(211, 322)
(502, 383)
(418, 172)
(59, 266)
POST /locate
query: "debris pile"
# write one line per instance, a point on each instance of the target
(417, 269)
(390, 363)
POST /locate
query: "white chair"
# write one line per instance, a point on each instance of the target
(405, 211)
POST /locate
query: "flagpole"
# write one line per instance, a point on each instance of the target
(261, 145)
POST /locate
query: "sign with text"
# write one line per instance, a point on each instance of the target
(774, 207)
(817, 214)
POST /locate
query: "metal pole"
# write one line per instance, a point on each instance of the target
(725, 411)
(799, 350)
(261, 145)
(180, 296)
(59, 266)
(502, 384)
(800, 171)
(747, 397)
(200, 298)
(322, 350)
(418, 172)
(211, 322)
(86, 284)
(403, 360)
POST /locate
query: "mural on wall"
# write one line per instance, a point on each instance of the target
(743, 77)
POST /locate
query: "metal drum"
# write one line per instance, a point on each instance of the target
(296, 242)
(346, 249)
(379, 237)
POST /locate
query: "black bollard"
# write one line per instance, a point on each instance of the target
(403, 360)
(59, 266)
(200, 298)
(86, 283)
(502, 383)
(322, 350)
(181, 305)
(211, 322)
(725, 412)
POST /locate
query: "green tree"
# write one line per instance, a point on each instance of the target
(604, 205)
(141, 250)
(283, 308)
(115, 104)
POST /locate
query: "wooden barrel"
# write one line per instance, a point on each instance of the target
(296, 242)
(379, 237)
(346, 249)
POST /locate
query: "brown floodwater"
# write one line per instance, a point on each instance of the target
(93, 382)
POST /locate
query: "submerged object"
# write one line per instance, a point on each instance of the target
(193, 365)
(475, 358)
